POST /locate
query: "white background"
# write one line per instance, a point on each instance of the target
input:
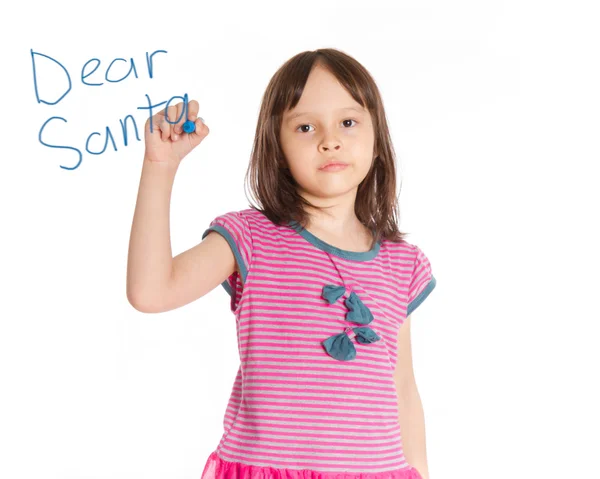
(494, 112)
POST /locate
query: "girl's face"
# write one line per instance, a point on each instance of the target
(332, 126)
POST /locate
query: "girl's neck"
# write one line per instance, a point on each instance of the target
(353, 237)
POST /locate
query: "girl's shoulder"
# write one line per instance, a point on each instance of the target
(247, 225)
(249, 216)
(399, 247)
(407, 256)
(256, 219)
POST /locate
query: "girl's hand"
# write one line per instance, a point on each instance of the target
(168, 143)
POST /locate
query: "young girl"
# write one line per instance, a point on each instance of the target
(321, 281)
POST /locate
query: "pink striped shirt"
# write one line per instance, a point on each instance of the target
(296, 411)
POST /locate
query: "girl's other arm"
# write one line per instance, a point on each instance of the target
(410, 406)
(412, 422)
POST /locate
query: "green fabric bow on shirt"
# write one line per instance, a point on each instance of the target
(339, 346)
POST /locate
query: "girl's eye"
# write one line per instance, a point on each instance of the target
(349, 119)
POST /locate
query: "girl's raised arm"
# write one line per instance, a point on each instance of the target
(156, 281)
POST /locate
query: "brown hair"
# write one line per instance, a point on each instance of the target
(376, 204)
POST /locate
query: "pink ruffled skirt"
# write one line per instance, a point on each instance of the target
(217, 468)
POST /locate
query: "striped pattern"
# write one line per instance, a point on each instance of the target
(293, 407)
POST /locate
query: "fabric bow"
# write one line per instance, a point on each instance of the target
(332, 293)
(339, 346)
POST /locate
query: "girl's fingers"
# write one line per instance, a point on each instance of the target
(172, 115)
(200, 132)
(177, 128)
(201, 129)
(190, 114)
(193, 108)
(162, 124)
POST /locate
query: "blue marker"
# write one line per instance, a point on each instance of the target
(189, 126)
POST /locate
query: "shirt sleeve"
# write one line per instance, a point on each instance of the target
(422, 281)
(234, 227)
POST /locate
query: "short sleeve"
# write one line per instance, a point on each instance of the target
(234, 227)
(422, 282)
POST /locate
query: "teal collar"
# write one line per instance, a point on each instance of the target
(342, 253)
